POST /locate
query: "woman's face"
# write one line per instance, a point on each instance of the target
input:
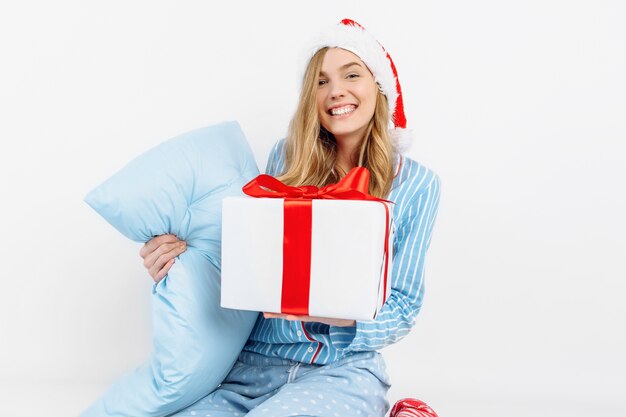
(346, 95)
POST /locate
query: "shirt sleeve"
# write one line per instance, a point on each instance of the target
(397, 316)
(276, 160)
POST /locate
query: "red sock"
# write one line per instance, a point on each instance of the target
(410, 407)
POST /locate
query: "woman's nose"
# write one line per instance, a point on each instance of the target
(337, 90)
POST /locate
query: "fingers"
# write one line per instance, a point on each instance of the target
(285, 316)
(160, 255)
(161, 259)
(163, 272)
(155, 242)
(325, 320)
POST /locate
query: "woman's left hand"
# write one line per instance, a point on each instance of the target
(330, 322)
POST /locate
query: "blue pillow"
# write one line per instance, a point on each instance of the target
(177, 187)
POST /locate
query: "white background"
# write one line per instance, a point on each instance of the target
(520, 107)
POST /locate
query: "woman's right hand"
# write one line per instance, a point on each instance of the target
(158, 254)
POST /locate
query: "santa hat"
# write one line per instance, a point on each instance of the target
(353, 37)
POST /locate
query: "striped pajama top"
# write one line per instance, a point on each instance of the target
(415, 192)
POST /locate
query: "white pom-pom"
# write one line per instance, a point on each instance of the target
(401, 139)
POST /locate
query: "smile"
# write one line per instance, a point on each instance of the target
(340, 111)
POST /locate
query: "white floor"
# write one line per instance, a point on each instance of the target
(68, 400)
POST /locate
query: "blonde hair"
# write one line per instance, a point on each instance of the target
(311, 151)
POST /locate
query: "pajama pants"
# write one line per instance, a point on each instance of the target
(261, 386)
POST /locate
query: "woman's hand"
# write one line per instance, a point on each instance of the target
(330, 322)
(158, 254)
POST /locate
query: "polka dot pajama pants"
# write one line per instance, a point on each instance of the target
(260, 386)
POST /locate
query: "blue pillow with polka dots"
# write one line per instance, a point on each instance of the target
(177, 187)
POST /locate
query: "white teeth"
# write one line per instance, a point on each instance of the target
(342, 110)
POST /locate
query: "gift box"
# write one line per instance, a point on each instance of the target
(304, 251)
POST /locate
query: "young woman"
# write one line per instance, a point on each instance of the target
(350, 114)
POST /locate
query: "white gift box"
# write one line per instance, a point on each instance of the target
(347, 278)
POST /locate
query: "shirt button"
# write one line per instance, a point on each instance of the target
(299, 333)
(310, 350)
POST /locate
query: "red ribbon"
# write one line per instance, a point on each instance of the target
(298, 214)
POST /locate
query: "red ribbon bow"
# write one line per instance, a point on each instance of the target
(354, 186)
(298, 228)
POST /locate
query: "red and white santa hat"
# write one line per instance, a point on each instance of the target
(353, 37)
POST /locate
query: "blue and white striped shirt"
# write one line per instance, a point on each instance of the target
(415, 192)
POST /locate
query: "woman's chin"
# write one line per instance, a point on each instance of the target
(346, 134)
